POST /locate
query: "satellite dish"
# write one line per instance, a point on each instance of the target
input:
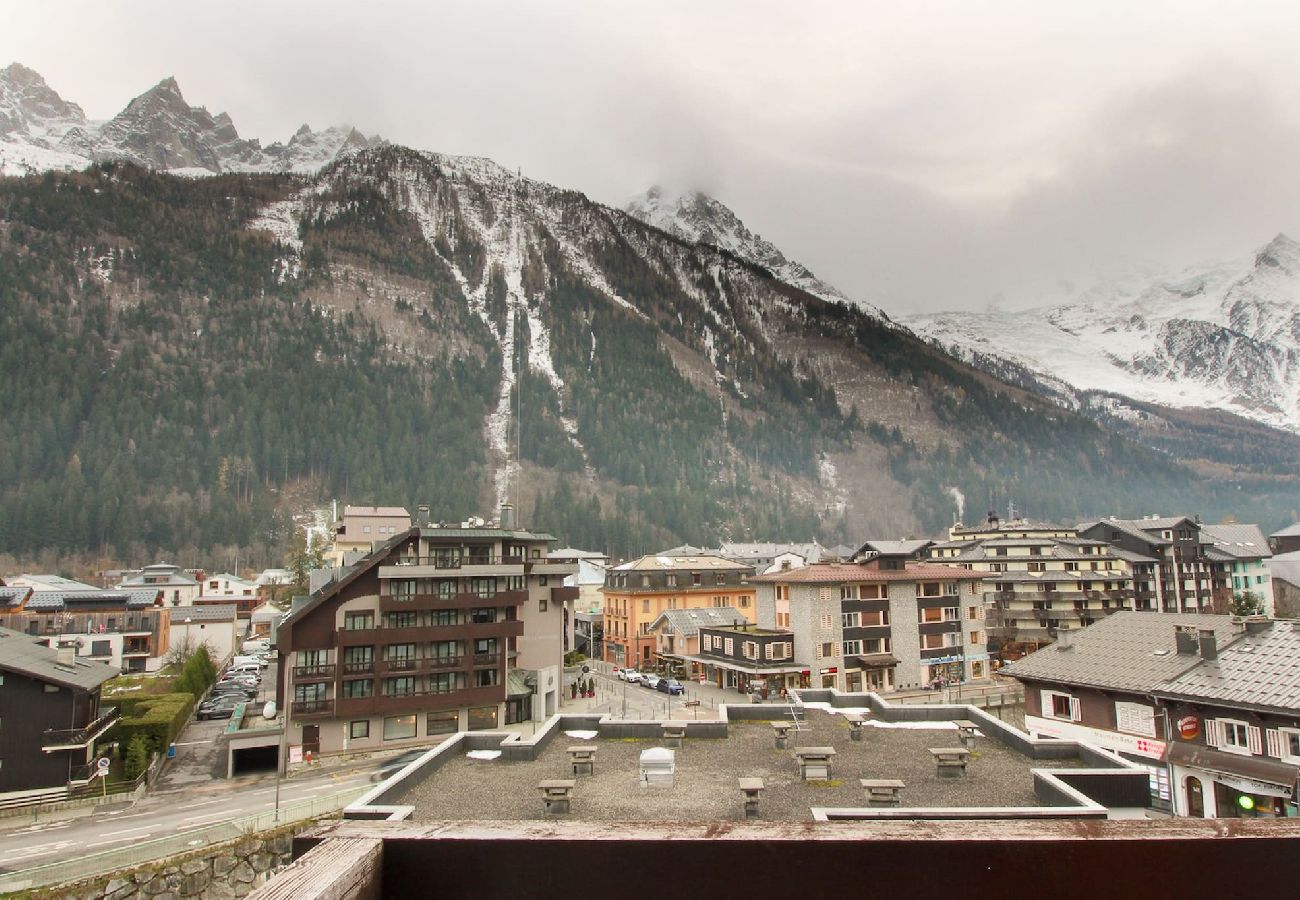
(268, 711)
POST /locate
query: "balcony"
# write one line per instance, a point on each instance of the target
(420, 701)
(356, 637)
(460, 600)
(79, 738)
(443, 663)
(313, 673)
(468, 564)
(363, 667)
(307, 709)
(486, 659)
(564, 594)
(403, 666)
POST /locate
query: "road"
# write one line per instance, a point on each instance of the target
(24, 843)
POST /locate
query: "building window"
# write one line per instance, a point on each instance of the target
(442, 723)
(444, 682)
(783, 592)
(399, 687)
(720, 578)
(876, 645)
(744, 601)
(1288, 740)
(829, 648)
(670, 580)
(542, 603)
(850, 620)
(486, 677)
(358, 688)
(482, 717)
(359, 729)
(1060, 706)
(853, 648)
(750, 649)
(976, 637)
(1233, 736)
(875, 618)
(972, 612)
(358, 621)
(397, 728)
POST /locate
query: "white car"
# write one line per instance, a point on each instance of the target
(629, 675)
(650, 681)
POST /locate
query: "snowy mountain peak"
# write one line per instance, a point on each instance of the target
(28, 105)
(698, 218)
(39, 131)
(1282, 253)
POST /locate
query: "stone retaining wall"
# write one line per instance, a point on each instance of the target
(225, 870)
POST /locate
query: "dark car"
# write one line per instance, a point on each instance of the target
(670, 686)
(232, 690)
(222, 707)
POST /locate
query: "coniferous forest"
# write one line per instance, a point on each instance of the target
(169, 389)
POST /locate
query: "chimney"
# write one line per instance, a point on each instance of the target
(507, 516)
(1209, 645)
(1257, 624)
(67, 655)
(1184, 640)
(422, 515)
(1065, 639)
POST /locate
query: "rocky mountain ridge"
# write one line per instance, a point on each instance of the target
(39, 131)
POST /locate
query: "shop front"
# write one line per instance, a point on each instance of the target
(1215, 784)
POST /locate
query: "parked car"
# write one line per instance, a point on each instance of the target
(629, 675)
(670, 686)
(232, 687)
(649, 680)
(392, 766)
(222, 707)
(246, 678)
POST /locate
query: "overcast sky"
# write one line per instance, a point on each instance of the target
(923, 156)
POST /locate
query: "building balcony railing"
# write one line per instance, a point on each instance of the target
(415, 701)
(486, 659)
(77, 738)
(303, 709)
(458, 600)
(313, 673)
(441, 663)
(404, 664)
(365, 667)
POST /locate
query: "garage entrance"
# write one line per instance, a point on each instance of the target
(253, 759)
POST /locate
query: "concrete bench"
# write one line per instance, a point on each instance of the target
(674, 734)
(556, 796)
(815, 763)
(966, 730)
(782, 730)
(752, 789)
(882, 792)
(951, 761)
(582, 758)
(856, 722)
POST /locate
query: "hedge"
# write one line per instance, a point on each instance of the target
(157, 719)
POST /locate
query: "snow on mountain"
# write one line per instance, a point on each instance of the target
(159, 129)
(700, 219)
(1221, 336)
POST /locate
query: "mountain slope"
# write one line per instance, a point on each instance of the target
(1224, 337)
(40, 131)
(700, 219)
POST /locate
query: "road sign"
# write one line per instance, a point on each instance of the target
(102, 764)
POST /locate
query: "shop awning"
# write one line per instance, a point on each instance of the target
(877, 661)
(1250, 774)
(517, 684)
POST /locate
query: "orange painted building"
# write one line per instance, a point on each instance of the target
(638, 592)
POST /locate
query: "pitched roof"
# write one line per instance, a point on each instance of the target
(687, 622)
(893, 548)
(1129, 651)
(52, 583)
(23, 653)
(387, 511)
(12, 597)
(1260, 670)
(1289, 531)
(208, 612)
(96, 598)
(702, 561)
(840, 573)
(1240, 541)
(1286, 566)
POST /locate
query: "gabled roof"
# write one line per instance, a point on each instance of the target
(382, 511)
(1128, 651)
(108, 598)
(51, 583)
(1259, 670)
(372, 559)
(1286, 567)
(13, 597)
(687, 622)
(25, 654)
(667, 562)
(208, 612)
(1289, 531)
(893, 548)
(1239, 541)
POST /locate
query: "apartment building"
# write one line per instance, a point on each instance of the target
(1035, 585)
(638, 592)
(749, 659)
(225, 589)
(1244, 555)
(1183, 577)
(127, 629)
(178, 586)
(1208, 703)
(50, 715)
(883, 624)
(361, 527)
(436, 630)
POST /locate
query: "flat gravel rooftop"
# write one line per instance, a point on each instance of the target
(705, 785)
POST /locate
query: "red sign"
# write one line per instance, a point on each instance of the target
(1189, 727)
